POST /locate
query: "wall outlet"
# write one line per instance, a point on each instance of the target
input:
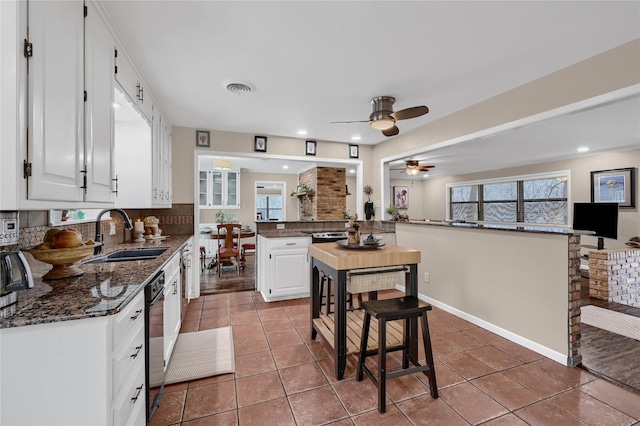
(426, 277)
(280, 226)
(112, 228)
(346, 225)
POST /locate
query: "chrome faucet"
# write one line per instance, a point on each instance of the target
(99, 237)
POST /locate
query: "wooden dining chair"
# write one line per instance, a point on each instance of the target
(228, 245)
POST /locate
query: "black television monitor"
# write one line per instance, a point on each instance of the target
(601, 218)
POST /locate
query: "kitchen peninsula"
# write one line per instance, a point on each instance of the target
(283, 264)
(522, 283)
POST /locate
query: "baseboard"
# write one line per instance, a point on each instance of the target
(515, 338)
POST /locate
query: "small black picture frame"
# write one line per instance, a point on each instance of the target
(203, 139)
(310, 148)
(260, 144)
(354, 151)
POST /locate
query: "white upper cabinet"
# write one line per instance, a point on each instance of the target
(68, 160)
(161, 161)
(56, 101)
(132, 84)
(219, 189)
(99, 116)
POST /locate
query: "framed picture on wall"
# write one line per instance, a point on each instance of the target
(203, 139)
(260, 144)
(401, 197)
(353, 151)
(310, 148)
(614, 186)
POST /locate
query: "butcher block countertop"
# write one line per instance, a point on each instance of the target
(340, 258)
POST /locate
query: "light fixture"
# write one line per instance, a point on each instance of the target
(285, 167)
(583, 149)
(222, 165)
(302, 132)
(383, 123)
(355, 138)
(412, 171)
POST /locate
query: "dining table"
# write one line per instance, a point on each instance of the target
(333, 262)
(244, 233)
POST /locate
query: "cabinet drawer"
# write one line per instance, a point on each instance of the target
(130, 399)
(292, 243)
(127, 359)
(127, 320)
(172, 266)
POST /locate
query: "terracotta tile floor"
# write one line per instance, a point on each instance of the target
(284, 378)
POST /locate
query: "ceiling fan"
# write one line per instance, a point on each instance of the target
(413, 167)
(383, 118)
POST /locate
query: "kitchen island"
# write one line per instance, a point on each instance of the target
(330, 261)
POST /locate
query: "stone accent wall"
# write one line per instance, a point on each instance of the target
(614, 276)
(308, 204)
(332, 193)
(575, 357)
(329, 201)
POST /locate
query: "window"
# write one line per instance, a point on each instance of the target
(533, 199)
(269, 207)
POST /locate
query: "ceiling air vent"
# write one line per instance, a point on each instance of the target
(239, 87)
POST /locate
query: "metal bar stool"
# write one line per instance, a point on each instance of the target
(385, 310)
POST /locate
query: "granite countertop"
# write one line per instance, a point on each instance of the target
(104, 288)
(285, 233)
(516, 228)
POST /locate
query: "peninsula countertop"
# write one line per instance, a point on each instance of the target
(104, 288)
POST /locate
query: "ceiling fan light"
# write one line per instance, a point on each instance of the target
(411, 171)
(222, 165)
(383, 123)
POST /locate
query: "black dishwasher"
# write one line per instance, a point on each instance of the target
(154, 332)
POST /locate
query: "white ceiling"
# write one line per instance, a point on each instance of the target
(313, 62)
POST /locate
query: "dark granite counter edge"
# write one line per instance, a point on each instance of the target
(79, 297)
(511, 228)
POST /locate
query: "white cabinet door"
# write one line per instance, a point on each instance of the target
(171, 308)
(289, 272)
(99, 116)
(161, 161)
(132, 84)
(222, 189)
(56, 100)
(283, 268)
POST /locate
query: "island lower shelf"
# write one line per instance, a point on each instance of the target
(325, 325)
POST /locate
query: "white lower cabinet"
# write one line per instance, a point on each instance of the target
(283, 270)
(172, 295)
(83, 372)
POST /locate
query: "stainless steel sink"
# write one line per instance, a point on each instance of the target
(129, 255)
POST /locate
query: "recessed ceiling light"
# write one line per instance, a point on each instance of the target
(583, 149)
(355, 138)
(302, 132)
(426, 175)
(352, 170)
(285, 167)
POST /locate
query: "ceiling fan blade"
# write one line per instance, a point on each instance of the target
(425, 168)
(347, 122)
(391, 131)
(412, 112)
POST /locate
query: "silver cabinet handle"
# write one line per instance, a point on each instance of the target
(138, 349)
(175, 286)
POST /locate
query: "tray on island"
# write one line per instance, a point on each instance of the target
(361, 246)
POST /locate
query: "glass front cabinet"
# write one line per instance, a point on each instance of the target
(219, 189)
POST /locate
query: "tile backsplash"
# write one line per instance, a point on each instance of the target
(177, 220)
